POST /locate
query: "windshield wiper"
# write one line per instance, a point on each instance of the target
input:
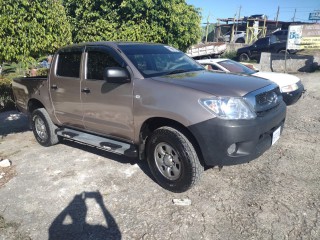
(177, 71)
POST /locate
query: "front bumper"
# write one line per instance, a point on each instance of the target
(292, 97)
(252, 137)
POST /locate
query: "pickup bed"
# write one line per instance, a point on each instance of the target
(151, 101)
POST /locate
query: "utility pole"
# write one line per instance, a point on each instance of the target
(294, 15)
(207, 28)
(238, 18)
(277, 16)
(233, 28)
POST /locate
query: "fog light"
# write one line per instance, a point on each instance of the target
(232, 149)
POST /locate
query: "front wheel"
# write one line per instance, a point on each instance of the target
(43, 128)
(173, 160)
(244, 57)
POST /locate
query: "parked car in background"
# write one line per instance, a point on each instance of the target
(290, 86)
(238, 37)
(267, 44)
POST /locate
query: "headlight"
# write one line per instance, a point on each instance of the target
(289, 88)
(228, 108)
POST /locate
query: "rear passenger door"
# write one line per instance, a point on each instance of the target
(65, 87)
(107, 107)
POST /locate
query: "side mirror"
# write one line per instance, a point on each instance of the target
(116, 75)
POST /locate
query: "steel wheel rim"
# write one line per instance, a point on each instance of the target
(40, 128)
(167, 161)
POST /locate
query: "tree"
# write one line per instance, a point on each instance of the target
(171, 22)
(31, 28)
(92, 20)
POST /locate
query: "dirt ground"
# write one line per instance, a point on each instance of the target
(71, 191)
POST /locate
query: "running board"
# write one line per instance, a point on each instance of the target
(100, 142)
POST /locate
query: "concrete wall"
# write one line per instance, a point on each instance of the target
(295, 63)
(231, 47)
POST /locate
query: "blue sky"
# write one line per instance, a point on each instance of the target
(228, 8)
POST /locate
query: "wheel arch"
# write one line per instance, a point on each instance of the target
(34, 104)
(154, 123)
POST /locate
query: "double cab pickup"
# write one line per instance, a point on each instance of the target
(153, 102)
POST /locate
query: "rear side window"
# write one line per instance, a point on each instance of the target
(69, 64)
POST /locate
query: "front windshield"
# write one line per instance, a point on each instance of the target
(159, 60)
(236, 67)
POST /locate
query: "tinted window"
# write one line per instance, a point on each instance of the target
(236, 67)
(211, 67)
(262, 41)
(69, 64)
(279, 33)
(97, 62)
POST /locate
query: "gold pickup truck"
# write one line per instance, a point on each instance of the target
(153, 102)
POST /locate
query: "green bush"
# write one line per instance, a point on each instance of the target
(230, 54)
(6, 95)
(42, 71)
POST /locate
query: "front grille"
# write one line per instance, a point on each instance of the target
(264, 112)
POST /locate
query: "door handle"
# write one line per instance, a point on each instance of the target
(55, 87)
(85, 90)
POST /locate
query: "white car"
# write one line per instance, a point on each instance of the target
(290, 86)
(238, 37)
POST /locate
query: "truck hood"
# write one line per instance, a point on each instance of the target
(243, 49)
(282, 79)
(217, 84)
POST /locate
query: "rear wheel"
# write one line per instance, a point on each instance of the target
(43, 128)
(244, 57)
(173, 160)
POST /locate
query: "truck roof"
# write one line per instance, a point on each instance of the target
(109, 43)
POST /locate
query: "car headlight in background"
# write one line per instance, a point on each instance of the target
(289, 88)
(228, 107)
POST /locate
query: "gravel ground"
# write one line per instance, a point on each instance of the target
(71, 191)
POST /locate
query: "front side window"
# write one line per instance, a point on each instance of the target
(69, 64)
(97, 62)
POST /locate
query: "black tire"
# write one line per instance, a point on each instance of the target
(43, 128)
(244, 57)
(168, 146)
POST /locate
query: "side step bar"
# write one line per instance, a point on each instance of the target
(107, 144)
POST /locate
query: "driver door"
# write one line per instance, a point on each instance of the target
(107, 107)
